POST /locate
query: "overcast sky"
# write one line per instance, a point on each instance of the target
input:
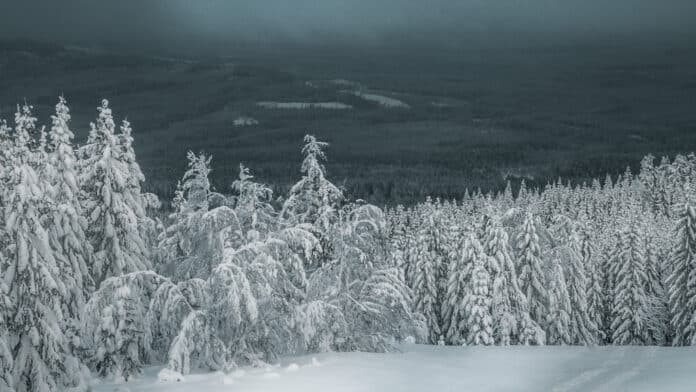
(136, 22)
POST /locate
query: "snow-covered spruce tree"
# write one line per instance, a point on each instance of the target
(193, 244)
(41, 359)
(6, 359)
(147, 226)
(532, 275)
(583, 330)
(682, 281)
(113, 202)
(426, 276)
(595, 284)
(369, 293)
(67, 224)
(510, 309)
(479, 329)
(132, 320)
(252, 203)
(630, 306)
(558, 318)
(454, 311)
(658, 314)
(313, 199)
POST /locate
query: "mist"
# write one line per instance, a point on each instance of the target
(181, 25)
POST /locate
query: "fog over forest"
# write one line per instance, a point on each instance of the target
(183, 25)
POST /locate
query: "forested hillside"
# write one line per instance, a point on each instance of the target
(98, 281)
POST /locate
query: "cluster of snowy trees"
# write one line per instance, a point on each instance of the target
(605, 263)
(92, 283)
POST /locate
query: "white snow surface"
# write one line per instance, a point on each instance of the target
(433, 368)
(382, 100)
(304, 105)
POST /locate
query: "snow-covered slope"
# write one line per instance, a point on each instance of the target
(439, 369)
(304, 105)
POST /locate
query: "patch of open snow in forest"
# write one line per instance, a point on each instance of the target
(433, 368)
(304, 105)
(385, 101)
(244, 122)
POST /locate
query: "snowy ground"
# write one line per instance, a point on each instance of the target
(440, 369)
(304, 105)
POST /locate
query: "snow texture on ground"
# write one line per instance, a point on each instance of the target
(442, 369)
(304, 105)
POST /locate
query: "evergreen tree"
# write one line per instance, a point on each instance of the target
(67, 223)
(313, 199)
(558, 319)
(458, 289)
(41, 359)
(532, 277)
(630, 306)
(112, 202)
(682, 281)
(478, 305)
(583, 329)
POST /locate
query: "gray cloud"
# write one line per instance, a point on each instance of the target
(140, 22)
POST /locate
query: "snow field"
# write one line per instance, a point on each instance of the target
(433, 368)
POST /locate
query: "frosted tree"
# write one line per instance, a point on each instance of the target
(425, 292)
(583, 329)
(454, 309)
(41, 359)
(6, 359)
(595, 290)
(682, 281)
(630, 306)
(532, 276)
(658, 314)
(193, 244)
(510, 308)
(67, 223)
(313, 199)
(140, 201)
(112, 203)
(252, 204)
(558, 318)
(478, 305)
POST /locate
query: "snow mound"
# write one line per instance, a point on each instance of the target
(244, 122)
(293, 367)
(304, 105)
(387, 102)
(315, 362)
(410, 340)
(168, 375)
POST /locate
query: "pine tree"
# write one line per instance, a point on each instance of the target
(583, 329)
(425, 290)
(478, 305)
(595, 290)
(532, 277)
(682, 281)
(113, 203)
(67, 223)
(510, 308)
(454, 308)
(313, 199)
(558, 319)
(630, 306)
(41, 360)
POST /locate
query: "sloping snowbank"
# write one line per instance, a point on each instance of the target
(382, 100)
(436, 369)
(304, 105)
